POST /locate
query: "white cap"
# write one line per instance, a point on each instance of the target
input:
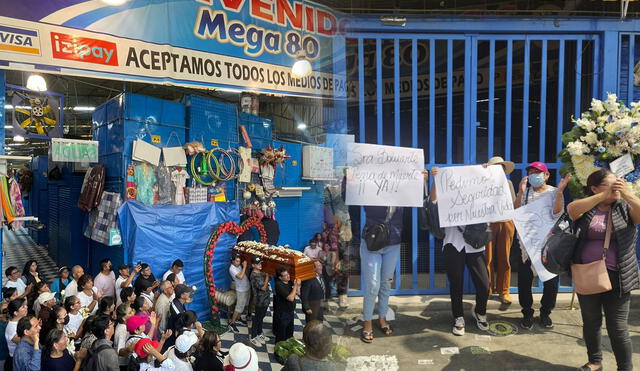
(242, 358)
(45, 297)
(185, 341)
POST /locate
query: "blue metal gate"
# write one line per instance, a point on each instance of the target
(464, 97)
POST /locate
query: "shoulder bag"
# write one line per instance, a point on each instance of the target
(379, 236)
(593, 278)
(560, 245)
(476, 235)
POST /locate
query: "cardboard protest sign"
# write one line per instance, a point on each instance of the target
(472, 194)
(533, 223)
(384, 175)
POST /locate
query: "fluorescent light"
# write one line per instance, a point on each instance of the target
(301, 68)
(84, 108)
(18, 138)
(302, 126)
(390, 20)
(8, 127)
(36, 83)
(114, 2)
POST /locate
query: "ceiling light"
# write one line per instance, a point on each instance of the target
(301, 68)
(18, 138)
(114, 2)
(84, 108)
(36, 83)
(302, 126)
(390, 20)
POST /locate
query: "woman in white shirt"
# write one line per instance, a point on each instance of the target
(72, 305)
(16, 309)
(458, 254)
(88, 294)
(123, 313)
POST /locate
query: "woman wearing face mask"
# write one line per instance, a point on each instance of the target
(531, 187)
(610, 204)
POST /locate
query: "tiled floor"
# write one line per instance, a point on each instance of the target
(18, 248)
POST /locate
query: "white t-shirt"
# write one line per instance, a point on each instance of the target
(162, 307)
(118, 285)
(179, 364)
(71, 289)
(454, 237)
(9, 333)
(120, 337)
(312, 253)
(85, 300)
(180, 276)
(242, 285)
(19, 285)
(75, 320)
(105, 283)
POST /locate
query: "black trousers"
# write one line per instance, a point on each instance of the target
(317, 313)
(283, 325)
(477, 264)
(257, 320)
(525, 297)
(616, 313)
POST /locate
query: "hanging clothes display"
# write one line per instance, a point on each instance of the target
(106, 219)
(164, 184)
(6, 201)
(179, 179)
(145, 181)
(132, 190)
(16, 201)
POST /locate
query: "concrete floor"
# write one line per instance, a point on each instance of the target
(423, 327)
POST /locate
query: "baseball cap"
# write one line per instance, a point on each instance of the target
(538, 166)
(45, 297)
(139, 348)
(181, 289)
(134, 322)
(256, 260)
(185, 341)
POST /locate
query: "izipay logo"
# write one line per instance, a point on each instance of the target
(84, 49)
(19, 40)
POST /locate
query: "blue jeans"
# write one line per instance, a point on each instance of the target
(377, 269)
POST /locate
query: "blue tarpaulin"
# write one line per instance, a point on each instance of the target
(159, 234)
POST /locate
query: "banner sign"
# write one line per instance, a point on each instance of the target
(472, 194)
(533, 223)
(202, 43)
(384, 175)
(73, 150)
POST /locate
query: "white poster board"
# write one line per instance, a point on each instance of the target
(533, 223)
(317, 163)
(340, 144)
(472, 194)
(384, 175)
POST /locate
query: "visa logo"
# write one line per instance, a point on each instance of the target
(84, 49)
(18, 40)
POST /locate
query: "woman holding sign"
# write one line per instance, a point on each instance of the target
(531, 187)
(610, 209)
(458, 254)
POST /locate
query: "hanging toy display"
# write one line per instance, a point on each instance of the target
(268, 160)
(258, 203)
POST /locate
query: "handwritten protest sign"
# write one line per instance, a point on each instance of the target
(533, 222)
(384, 175)
(472, 194)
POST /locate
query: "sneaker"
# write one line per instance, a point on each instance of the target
(505, 299)
(481, 321)
(342, 301)
(234, 328)
(264, 339)
(243, 322)
(458, 327)
(256, 342)
(546, 322)
(527, 323)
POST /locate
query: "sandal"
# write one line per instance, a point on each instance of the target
(387, 330)
(366, 336)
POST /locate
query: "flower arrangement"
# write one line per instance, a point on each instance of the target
(219, 230)
(608, 131)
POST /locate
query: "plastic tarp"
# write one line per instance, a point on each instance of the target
(159, 234)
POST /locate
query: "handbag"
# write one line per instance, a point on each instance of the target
(560, 245)
(379, 236)
(476, 235)
(174, 156)
(593, 278)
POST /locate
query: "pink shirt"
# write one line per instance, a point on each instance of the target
(106, 283)
(594, 247)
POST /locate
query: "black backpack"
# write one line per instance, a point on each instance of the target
(476, 235)
(90, 363)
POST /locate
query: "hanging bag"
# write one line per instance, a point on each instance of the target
(476, 235)
(593, 278)
(560, 246)
(379, 236)
(174, 156)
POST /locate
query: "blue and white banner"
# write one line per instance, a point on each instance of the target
(246, 44)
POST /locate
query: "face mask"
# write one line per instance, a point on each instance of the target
(536, 180)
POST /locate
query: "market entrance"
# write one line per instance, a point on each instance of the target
(464, 98)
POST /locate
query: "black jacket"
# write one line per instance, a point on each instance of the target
(625, 234)
(310, 291)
